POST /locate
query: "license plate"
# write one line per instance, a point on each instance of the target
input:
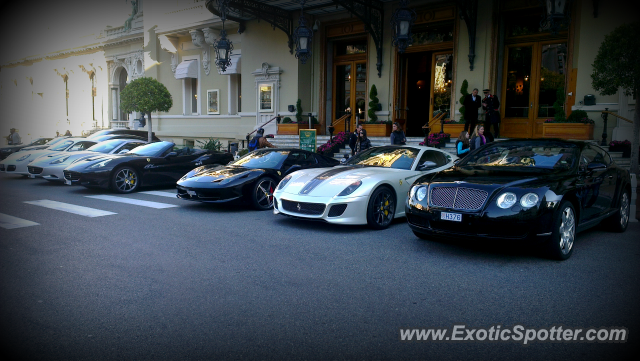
(456, 217)
(32, 176)
(67, 182)
(191, 193)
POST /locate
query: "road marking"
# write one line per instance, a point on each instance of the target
(71, 208)
(11, 222)
(133, 201)
(161, 194)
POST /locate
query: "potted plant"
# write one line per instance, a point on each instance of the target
(333, 146)
(373, 104)
(438, 140)
(289, 127)
(576, 126)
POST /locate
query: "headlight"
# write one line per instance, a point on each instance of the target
(23, 157)
(529, 200)
(100, 164)
(350, 189)
(506, 200)
(421, 193)
(412, 192)
(60, 160)
(284, 181)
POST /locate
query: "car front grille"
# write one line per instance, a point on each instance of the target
(458, 198)
(34, 170)
(314, 209)
(337, 210)
(72, 176)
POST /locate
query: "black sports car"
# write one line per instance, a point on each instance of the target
(148, 165)
(253, 177)
(539, 189)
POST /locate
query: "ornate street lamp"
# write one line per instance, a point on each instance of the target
(302, 37)
(557, 15)
(401, 21)
(223, 46)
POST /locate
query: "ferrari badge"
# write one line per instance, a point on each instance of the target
(400, 181)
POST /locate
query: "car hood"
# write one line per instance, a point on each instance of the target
(328, 182)
(32, 155)
(213, 175)
(71, 157)
(488, 178)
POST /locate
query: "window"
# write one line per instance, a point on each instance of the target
(299, 158)
(266, 95)
(128, 146)
(191, 89)
(188, 143)
(432, 156)
(81, 146)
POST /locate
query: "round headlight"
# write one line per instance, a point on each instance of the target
(421, 193)
(506, 200)
(412, 192)
(529, 200)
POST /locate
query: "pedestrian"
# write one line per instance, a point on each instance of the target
(363, 142)
(13, 138)
(68, 134)
(353, 139)
(462, 144)
(471, 104)
(491, 107)
(478, 139)
(57, 134)
(259, 141)
(397, 135)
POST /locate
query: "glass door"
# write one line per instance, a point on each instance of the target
(350, 91)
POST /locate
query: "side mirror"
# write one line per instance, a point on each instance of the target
(123, 151)
(427, 165)
(292, 169)
(594, 166)
(171, 154)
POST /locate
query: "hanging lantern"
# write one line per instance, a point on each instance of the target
(401, 21)
(302, 37)
(223, 46)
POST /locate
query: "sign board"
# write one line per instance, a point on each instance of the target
(308, 139)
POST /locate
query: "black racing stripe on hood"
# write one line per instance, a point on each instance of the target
(322, 177)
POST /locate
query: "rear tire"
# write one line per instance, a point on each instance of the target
(125, 180)
(619, 221)
(564, 233)
(262, 193)
(381, 208)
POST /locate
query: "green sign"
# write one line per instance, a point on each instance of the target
(308, 139)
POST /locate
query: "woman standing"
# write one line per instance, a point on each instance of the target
(397, 135)
(462, 144)
(363, 141)
(478, 139)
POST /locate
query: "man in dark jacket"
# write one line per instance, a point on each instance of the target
(491, 107)
(353, 139)
(471, 104)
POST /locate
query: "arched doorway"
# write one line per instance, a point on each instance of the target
(122, 82)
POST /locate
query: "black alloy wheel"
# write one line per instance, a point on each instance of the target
(125, 180)
(619, 221)
(381, 208)
(262, 195)
(563, 236)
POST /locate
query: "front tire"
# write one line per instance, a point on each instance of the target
(619, 221)
(381, 208)
(125, 180)
(564, 233)
(262, 194)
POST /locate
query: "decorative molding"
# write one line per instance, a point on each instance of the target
(198, 39)
(267, 73)
(468, 10)
(129, 62)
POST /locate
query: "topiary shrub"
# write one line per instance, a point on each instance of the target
(464, 90)
(373, 103)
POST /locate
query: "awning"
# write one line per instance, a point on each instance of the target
(187, 69)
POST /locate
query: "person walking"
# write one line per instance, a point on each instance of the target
(68, 134)
(491, 107)
(13, 138)
(353, 139)
(471, 104)
(478, 139)
(259, 141)
(397, 135)
(462, 144)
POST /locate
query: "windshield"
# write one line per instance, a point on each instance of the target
(386, 157)
(541, 155)
(263, 159)
(105, 147)
(150, 150)
(40, 141)
(54, 142)
(61, 146)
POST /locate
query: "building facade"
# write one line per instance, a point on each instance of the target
(499, 44)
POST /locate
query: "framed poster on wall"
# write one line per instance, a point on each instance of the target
(213, 101)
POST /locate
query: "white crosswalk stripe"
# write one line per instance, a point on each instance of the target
(71, 208)
(136, 202)
(161, 194)
(11, 222)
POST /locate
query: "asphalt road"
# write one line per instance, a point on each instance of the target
(213, 282)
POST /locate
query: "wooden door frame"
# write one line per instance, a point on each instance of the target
(433, 80)
(352, 87)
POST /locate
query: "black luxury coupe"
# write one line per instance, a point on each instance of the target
(535, 189)
(253, 177)
(148, 165)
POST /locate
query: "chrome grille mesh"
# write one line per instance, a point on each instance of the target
(458, 198)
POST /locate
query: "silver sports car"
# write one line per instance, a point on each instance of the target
(370, 188)
(17, 163)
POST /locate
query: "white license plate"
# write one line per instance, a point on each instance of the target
(456, 217)
(67, 182)
(191, 193)
(32, 176)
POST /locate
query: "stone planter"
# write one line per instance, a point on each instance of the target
(377, 130)
(294, 128)
(453, 129)
(578, 131)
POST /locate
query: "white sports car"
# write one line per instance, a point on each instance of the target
(370, 188)
(17, 163)
(51, 167)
